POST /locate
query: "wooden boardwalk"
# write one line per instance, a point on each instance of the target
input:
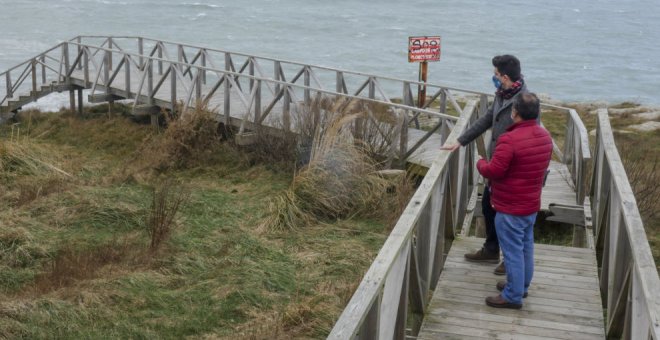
(565, 296)
(564, 299)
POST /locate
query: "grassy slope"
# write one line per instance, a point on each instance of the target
(218, 276)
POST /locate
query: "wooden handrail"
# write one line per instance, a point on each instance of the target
(577, 154)
(409, 263)
(628, 277)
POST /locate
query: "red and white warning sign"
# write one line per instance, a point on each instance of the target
(423, 49)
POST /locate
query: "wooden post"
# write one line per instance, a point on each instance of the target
(80, 102)
(109, 53)
(65, 54)
(339, 82)
(203, 69)
(8, 82)
(141, 51)
(286, 109)
(127, 76)
(160, 57)
(43, 69)
(72, 100)
(421, 89)
(33, 70)
(173, 87)
(79, 41)
(307, 97)
(111, 106)
(85, 67)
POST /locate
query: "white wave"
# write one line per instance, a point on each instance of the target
(199, 4)
(107, 2)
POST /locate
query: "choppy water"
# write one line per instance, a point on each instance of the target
(597, 50)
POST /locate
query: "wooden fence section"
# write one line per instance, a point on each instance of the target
(629, 280)
(409, 263)
(158, 74)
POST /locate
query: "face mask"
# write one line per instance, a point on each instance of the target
(496, 82)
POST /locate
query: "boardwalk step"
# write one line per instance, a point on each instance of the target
(563, 303)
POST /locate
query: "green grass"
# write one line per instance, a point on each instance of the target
(218, 276)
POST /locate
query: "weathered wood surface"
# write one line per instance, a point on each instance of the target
(423, 156)
(563, 303)
(629, 280)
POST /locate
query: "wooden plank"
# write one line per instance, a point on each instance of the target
(541, 291)
(532, 298)
(477, 242)
(529, 304)
(471, 333)
(538, 266)
(482, 308)
(564, 300)
(537, 279)
(511, 325)
(586, 292)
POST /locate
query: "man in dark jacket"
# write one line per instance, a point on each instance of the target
(510, 84)
(516, 174)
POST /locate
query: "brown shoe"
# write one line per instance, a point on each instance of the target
(499, 302)
(482, 255)
(501, 284)
(500, 270)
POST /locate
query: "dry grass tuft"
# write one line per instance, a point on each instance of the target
(187, 142)
(341, 179)
(167, 198)
(18, 248)
(28, 171)
(28, 159)
(73, 263)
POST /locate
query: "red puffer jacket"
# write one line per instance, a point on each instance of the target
(516, 171)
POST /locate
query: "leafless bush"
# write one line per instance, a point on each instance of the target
(643, 174)
(167, 198)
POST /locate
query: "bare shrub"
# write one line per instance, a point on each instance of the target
(643, 174)
(167, 198)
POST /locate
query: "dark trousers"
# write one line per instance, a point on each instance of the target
(492, 245)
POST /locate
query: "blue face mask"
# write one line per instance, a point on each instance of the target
(496, 82)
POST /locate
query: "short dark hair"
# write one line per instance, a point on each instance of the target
(508, 65)
(527, 105)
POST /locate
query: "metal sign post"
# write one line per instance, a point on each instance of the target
(423, 50)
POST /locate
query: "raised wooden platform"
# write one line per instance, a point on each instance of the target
(564, 299)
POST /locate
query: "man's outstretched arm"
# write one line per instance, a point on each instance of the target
(479, 127)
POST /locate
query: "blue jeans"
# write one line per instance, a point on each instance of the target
(516, 236)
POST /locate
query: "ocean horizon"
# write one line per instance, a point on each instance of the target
(570, 51)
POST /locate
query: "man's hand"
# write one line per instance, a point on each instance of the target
(450, 147)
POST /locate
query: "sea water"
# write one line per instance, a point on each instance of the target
(595, 50)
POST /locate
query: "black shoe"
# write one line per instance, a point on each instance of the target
(499, 302)
(501, 284)
(482, 255)
(500, 270)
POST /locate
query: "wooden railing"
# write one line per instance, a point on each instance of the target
(408, 265)
(28, 77)
(138, 68)
(628, 277)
